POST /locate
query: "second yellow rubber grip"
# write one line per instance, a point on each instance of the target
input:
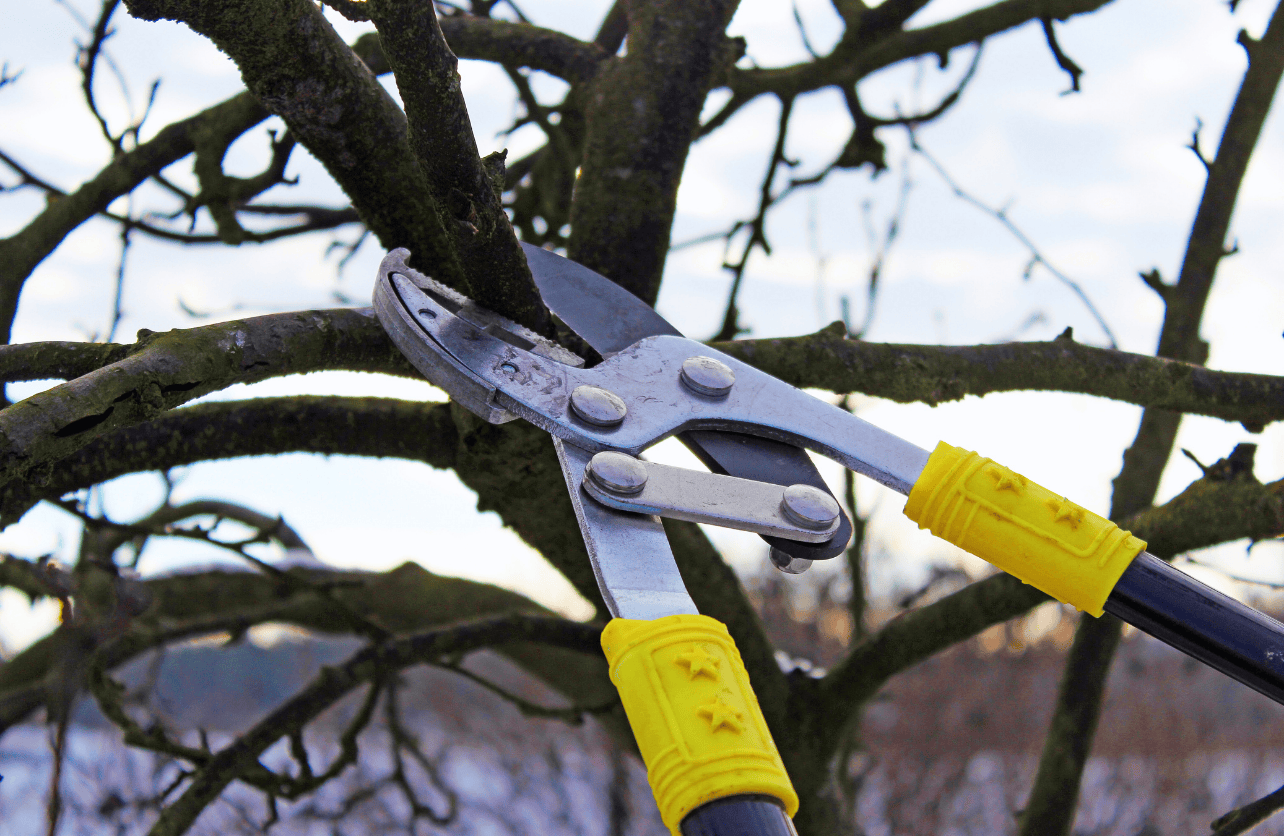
(694, 714)
(1026, 530)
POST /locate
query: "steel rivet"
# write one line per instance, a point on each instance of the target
(597, 406)
(617, 473)
(708, 376)
(508, 368)
(809, 507)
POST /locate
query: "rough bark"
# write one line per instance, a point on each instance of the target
(642, 114)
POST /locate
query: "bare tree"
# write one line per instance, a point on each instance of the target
(603, 185)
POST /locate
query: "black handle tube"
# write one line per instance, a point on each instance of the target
(1219, 631)
(739, 815)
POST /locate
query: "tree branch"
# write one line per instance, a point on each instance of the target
(335, 682)
(642, 114)
(523, 45)
(466, 190)
(854, 58)
(1050, 811)
(258, 427)
(165, 370)
(402, 600)
(22, 252)
(292, 60)
(936, 374)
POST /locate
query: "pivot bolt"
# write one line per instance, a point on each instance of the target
(617, 473)
(787, 564)
(597, 406)
(808, 507)
(708, 376)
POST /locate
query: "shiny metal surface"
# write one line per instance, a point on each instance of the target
(602, 313)
(597, 406)
(707, 376)
(646, 376)
(810, 508)
(787, 563)
(617, 473)
(631, 557)
(701, 497)
(610, 319)
(396, 290)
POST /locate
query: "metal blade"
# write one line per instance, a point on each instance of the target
(605, 315)
(631, 558)
(610, 319)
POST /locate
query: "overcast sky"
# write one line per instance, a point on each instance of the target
(1101, 181)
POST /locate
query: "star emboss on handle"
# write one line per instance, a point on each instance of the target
(1063, 510)
(1006, 480)
(697, 661)
(721, 716)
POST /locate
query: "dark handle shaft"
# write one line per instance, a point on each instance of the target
(1219, 631)
(739, 815)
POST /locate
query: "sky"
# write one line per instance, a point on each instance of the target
(1101, 181)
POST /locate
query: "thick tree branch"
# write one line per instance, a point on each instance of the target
(514, 45)
(1050, 810)
(165, 370)
(465, 189)
(56, 360)
(854, 57)
(523, 45)
(257, 427)
(292, 60)
(642, 114)
(936, 374)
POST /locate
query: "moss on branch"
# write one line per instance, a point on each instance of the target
(56, 360)
(642, 113)
(162, 371)
(465, 190)
(935, 374)
(294, 62)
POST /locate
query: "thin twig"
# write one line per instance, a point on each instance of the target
(1064, 61)
(116, 312)
(1242, 819)
(573, 715)
(757, 226)
(1231, 575)
(1001, 215)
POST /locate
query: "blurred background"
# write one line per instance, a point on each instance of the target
(1012, 202)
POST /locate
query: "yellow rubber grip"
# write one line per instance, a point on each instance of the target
(1026, 530)
(694, 714)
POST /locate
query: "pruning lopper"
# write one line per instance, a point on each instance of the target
(710, 759)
